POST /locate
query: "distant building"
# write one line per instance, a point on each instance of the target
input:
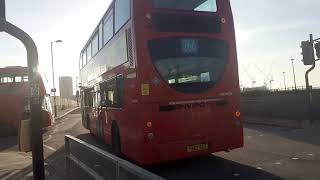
(66, 87)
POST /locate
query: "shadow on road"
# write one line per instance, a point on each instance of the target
(208, 168)
(8, 142)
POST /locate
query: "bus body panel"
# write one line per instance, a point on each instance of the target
(158, 123)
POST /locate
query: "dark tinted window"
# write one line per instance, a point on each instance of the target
(122, 13)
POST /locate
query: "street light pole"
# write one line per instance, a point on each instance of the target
(53, 81)
(284, 80)
(294, 75)
(35, 99)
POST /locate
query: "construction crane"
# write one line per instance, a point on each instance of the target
(270, 79)
(252, 78)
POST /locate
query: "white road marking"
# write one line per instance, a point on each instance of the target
(50, 148)
(48, 138)
(278, 163)
(294, 158)
(310, 154)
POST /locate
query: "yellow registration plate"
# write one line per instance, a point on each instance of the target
(197, 147)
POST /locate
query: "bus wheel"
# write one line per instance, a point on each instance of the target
(88, 123)
(115, 140)
(102, 130)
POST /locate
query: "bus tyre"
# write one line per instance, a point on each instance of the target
(102, 130)
(115, 141)
(88, 123)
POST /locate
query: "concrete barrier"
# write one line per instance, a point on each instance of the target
(285, 104)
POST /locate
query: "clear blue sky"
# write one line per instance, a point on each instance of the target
(268, 35)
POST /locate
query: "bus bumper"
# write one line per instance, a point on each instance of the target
(154, 153)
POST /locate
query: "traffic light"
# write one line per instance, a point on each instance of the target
(317, 47)
(3, 9)
(307, 52)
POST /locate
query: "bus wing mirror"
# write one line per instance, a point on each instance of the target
(105, 103)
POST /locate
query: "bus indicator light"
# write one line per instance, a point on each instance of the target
(149, 124)
(223, 20)
(238, 114)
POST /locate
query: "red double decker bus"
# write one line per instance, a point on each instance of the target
(14, 98)
(159, 79)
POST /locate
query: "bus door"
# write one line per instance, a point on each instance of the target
(87, 107)
(96, 125)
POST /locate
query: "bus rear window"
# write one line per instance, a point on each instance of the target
(187, 5)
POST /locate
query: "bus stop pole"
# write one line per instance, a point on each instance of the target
(34, 81)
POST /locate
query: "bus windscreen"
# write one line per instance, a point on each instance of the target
(185, 62)
(187, 5)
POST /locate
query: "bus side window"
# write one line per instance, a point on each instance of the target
(114, 92)
(25, 79)
(88, 98)
(17, 79)
(96, 102)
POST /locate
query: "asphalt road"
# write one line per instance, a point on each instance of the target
(269, 153)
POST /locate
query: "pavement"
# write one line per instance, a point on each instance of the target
(270, 153)
(12, 162)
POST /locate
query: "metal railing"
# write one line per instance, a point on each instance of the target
(85, 161)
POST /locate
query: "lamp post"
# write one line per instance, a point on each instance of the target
(294, 75)
(54, 90)
(284, 80)
(35, 99)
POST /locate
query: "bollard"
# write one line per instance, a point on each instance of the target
(24, 136)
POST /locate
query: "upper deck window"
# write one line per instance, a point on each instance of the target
(95, 44)
(108, 27)
(89, 53)
(122, 13)
(188, 5)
